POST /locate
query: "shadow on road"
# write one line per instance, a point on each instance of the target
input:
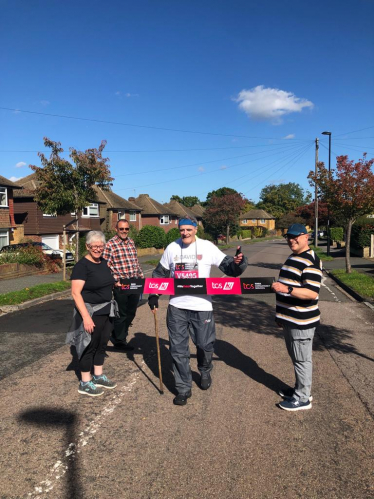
(257, 317)
(273, 266)
(233, 357)
(54, 419)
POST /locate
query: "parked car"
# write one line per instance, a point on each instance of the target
(47, 250)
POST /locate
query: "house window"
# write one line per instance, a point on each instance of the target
(254, 220)
(245, 221)
(262, 221)
(4, 238)
(91, 210)
(119, 215)
(3, 196)
(48, 215)
(132, 216)
(164, 220)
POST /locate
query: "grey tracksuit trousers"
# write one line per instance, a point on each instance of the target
(181, 324)
(299, 343)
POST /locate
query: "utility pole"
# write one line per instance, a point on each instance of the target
(316, 200)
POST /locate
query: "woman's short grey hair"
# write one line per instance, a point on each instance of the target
(95, 235)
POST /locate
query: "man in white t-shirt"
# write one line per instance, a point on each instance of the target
(190, 257)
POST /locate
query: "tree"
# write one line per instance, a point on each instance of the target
(65, 187)
(222, 191)
(348, 190)
(222, 215)
(288, 219)
(307, 212)
(187, 201)
(283, 198)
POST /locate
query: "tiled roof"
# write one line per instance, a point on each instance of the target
(198, 210)
(179, 209)
(256, 214)
(150, 206)
(114, 201)
(4, 182)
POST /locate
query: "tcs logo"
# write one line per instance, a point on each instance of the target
(248, 286)
(161, 287)
(125, 286)
(226, 287)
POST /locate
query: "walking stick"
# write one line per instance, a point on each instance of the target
(158, 353)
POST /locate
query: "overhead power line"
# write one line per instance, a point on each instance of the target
(119, 123)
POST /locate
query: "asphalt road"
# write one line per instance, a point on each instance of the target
(229, 442)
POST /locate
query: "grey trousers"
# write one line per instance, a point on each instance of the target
(181, 324)
(299, 343)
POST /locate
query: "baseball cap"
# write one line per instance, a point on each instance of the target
(296, 230)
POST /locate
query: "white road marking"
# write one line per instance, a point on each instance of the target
(330, 291)
(59, 469)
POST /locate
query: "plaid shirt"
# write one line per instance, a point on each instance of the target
(122, 258)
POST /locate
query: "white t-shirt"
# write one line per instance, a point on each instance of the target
(198, 256)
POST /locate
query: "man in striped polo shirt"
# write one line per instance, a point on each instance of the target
(297, 312)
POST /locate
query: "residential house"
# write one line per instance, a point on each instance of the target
(9, 231)
(114, 208)
(154, 213)
(182, 211)
(47, 228)
(257, 218)
(198, 210)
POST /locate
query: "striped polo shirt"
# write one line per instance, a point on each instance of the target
(299, 271)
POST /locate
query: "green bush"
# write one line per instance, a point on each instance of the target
(203, 235)
(361, 234)
(172, 235)
(151, 237)
(337, 234)
(246, 233)
(264, 231)
(257, 232)
(133, 233)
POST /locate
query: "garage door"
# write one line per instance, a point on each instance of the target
(52, 241)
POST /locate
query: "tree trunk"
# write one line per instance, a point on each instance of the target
(228, 234)
(348, 268)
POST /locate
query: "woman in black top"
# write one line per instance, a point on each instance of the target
(92, 284)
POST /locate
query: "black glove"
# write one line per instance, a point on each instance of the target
(153, 301)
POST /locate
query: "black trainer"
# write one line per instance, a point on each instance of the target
(206, 381)
(181, 398)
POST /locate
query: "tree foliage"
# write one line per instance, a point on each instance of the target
(222, 214)
(283, 198)
(307, 213)
(151, 236)
(187, 201)
(222, 191)
(65, 187)
(348, 190)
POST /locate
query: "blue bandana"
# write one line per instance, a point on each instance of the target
(186, 221)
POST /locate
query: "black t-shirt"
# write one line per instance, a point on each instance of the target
(98, 282)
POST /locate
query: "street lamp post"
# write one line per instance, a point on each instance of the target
(328, 207)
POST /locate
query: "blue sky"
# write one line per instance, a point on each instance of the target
(256, 82)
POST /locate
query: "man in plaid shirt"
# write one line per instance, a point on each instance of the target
(122, 258)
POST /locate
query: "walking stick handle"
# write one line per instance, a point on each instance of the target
(158, 353)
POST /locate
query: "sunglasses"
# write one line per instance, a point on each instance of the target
(125, 230)
(289, 236)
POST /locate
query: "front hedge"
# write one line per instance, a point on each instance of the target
(172, 235)
(151, 236)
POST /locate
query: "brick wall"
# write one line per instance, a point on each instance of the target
(4, 218)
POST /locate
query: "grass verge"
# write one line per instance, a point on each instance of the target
(361, 283)
(322, 255)
(17, 297)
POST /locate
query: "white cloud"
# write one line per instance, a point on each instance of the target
(223, 167)
(132, 95)
(290, 136)
(118, 92)
(261, 103)
(201, 169)
(14, 179)
(44, 103)
(20, 164)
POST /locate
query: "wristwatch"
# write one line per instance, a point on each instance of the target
(290, 289)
